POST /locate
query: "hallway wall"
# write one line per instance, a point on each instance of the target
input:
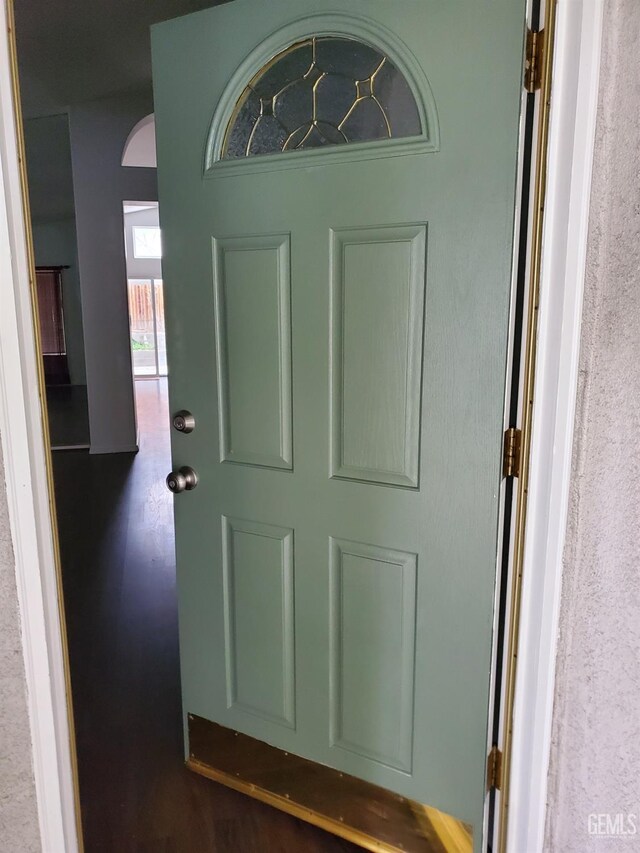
(99, 130)
(50, 178)
(595, 761)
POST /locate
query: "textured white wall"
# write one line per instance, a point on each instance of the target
(18, 810)
(595, 761)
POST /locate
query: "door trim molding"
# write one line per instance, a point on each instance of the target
(571, 142)
(26, 454)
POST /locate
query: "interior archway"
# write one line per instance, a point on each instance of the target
(140, 147)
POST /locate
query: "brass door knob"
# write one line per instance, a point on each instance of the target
(182, 480)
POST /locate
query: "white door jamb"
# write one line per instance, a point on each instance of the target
(574, 99)
(26, 480)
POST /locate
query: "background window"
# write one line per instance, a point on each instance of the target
(146, 241)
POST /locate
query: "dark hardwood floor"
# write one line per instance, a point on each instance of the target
(68, 415)
(116, 532)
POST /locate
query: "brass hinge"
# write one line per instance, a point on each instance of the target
(494, 768)
(512, 452)
(533, 62)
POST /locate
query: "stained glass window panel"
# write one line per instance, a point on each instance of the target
(322, 91)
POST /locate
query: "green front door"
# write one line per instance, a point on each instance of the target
(337, 203)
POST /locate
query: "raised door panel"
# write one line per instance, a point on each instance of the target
(253, 335)
(372, 630)
(377, 293)
(259, 621)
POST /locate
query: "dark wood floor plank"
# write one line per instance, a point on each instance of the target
(68, 415)
(116, 531)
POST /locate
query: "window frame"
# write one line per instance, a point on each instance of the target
(339, 26)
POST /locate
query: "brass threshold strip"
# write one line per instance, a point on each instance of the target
(530, 354)
(360, 812)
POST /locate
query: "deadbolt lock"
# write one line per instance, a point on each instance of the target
(183, 421)
(183, 480)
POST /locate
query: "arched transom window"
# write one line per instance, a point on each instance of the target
(325, 90)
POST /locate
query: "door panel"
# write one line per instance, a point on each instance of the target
(377, 294)
(254, 393)
(258, 575)
(336, 564)
(372, 625)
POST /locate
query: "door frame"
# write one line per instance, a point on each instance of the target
(26, 451)
(572, 127)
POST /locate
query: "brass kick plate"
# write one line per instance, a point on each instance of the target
(372, 817)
